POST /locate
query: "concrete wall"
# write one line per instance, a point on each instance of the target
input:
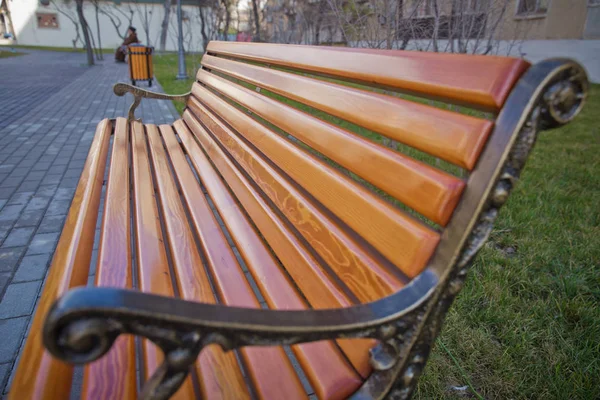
(565, 19)
(28, 33)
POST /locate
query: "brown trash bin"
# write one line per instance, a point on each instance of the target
(140, 63)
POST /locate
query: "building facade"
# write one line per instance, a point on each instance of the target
(57, 25)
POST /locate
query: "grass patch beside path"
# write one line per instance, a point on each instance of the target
(527, 323)
(166, 69)
(48, 48)
(8, 54)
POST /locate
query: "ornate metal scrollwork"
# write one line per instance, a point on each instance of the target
(120, 89)
(561, 100)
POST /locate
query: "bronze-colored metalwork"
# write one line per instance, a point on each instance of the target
(120, 89)
(82, 325)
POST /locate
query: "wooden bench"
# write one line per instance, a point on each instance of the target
(253, 224)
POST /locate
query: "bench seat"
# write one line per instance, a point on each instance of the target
(272, 220)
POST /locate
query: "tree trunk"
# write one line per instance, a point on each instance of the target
(203, 30)
(256, 21)
(100, 54)
(86, 33)
(227, 20)
(164, 27)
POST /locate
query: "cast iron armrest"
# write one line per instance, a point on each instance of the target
(82, 326)
(121, 89)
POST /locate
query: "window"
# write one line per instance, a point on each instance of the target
(593, 2)
(532, 7)
(47, 21)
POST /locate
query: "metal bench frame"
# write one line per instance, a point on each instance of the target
(82, 326)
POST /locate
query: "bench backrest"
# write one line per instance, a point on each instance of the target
(299, 145)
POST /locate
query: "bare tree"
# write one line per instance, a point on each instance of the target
(116, 14)
(210, 14)
(164, 27)
(85, 29)
(65, 10)
(145, 17)
(96, 4)
(256, 20)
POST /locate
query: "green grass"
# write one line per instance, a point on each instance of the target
(527, 323)
(8, 54)
(166, 69)
(48, 48)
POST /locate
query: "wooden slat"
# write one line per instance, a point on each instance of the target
(114, 376)
(153, 271)
(219, 373)
(403, 240)
(328, 372)
(356, 266)
(271, 372)
(482, 81)
(451, 136)
(39, 375)
(305, 271)
(423, 188)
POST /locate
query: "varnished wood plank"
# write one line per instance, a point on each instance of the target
(113, 376)
(272, 373)
(153, 273)
(451, 136)
(483, 81)
(403, 240)
(218, 372)
(330, 376)
(421, 187)
(305, 271)
(299, 263)
(348, 259)
(39, 375)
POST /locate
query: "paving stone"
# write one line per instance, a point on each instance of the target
(4, 279)
(29, 218)
(42, 243)
(58, 207)
(32, 268)
(19, 299)
(20, 198)
(9, 258)
(51, 223)
(4, 370)
(10, 213)
(18, 237)
(37, 203)
(11, 332)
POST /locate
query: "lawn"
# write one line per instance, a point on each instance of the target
(8, 54)
(48, 48)
(527, 323)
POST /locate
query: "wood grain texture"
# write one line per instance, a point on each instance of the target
(403, 240)
(218, 372)
(302, 267)
(327, 370)
(482, 81)
(153, 273)
(429, 191)
(114, 376)
(273, 374)
(347, 258)
(448, 135)
(39, 375)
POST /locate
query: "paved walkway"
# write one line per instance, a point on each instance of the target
(50, 104)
